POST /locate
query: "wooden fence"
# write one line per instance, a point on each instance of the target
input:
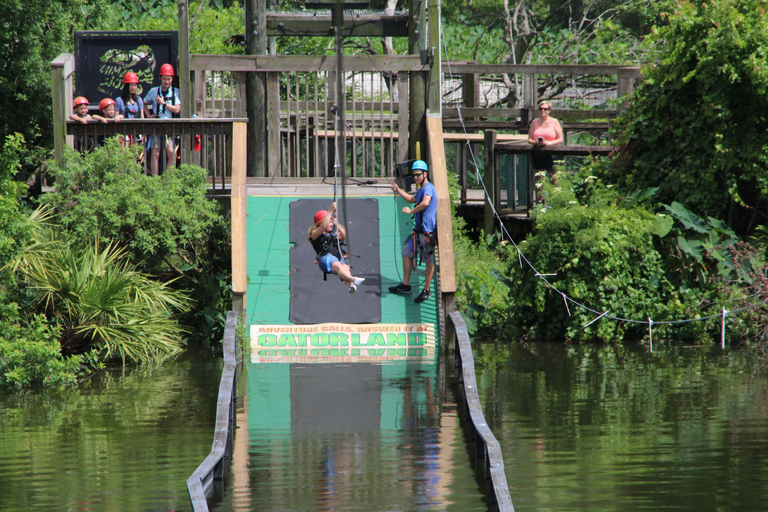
(213, 467)
(300, 108)
(486, 446)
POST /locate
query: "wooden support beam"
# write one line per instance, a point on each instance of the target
(444, 222)
(306, 62)
(239, 205)
(320, 25)
(62, 69)
(558, 151)
(489, 220)
(541, 69)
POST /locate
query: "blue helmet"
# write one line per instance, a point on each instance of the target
(420, 165)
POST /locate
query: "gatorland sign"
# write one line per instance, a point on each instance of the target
(334, 342)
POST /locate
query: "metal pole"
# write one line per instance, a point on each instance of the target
(341, 153)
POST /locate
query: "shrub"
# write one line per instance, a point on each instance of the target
(30, 355)
(166, 224)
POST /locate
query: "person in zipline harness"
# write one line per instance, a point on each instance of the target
(421, 243)
(326, 237)
(166, 103)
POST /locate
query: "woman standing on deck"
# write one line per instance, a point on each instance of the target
(544, 131)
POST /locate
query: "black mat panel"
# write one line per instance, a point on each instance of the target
(315, 301)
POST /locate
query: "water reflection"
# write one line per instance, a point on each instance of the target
(119, 442)
(344, 437)
(611, 428)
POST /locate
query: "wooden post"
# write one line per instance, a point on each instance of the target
(470, 91)
(402, 116)
(529, 100)
(531, 182)
(625, 82)
(439, 174)
(239, 200)
(256, 85)
(489, 176)
(184, 76)
(434, 102)
(417, 40)
(273, 123)
(62, 68)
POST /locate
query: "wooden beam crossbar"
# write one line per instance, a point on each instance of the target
(309, 63)
(320, 25)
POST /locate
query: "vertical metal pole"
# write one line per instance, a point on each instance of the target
(341, 154)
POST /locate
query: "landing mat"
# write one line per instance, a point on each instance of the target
(316, 301)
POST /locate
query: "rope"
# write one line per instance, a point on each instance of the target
(722, 314)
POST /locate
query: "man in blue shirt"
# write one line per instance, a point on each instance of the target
(422, 241)
(165, 102)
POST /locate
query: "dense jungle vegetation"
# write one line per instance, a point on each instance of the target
(672, 228)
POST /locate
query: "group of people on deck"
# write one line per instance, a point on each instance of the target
(326, 237)
(163, 102)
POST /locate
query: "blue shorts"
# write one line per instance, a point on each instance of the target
(325, 262)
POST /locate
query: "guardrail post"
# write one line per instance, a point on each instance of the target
(489, 176)
(61, 74)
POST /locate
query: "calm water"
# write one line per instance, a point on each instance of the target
(118, 443)
(350, 437)
(619, 429)
(582, 428)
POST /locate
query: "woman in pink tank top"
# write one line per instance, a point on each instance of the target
(544, 131)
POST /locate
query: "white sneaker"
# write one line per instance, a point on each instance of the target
(352, 288)
(359, 281)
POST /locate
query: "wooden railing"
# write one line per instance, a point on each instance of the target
(300, 98)
(509, 94)
(487, 447)
(204, 142)
(212, 468)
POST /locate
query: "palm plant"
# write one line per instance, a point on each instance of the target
(99, 298)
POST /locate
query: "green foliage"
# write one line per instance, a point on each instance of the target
(695, 127)
(30, 354)
(13, 229)
(481, 294)
(703, 248)
(749, 292)
(100, 300)
(167, 225)
(211, 29)
(599, 255)
(32, 34)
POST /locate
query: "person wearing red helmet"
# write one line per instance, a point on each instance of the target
(327, 241)
(80, 106)
(108, 113)
(83, 143)
(165, 102)
(129, 104)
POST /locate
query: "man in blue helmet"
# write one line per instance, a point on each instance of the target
(421, 243)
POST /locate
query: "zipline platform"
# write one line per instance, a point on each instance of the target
(339, 414)
(270, 270)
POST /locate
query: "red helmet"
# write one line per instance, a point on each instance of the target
(320, 215)
(105, 102)
(130, 78)
(166, 70)
(80, 100)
